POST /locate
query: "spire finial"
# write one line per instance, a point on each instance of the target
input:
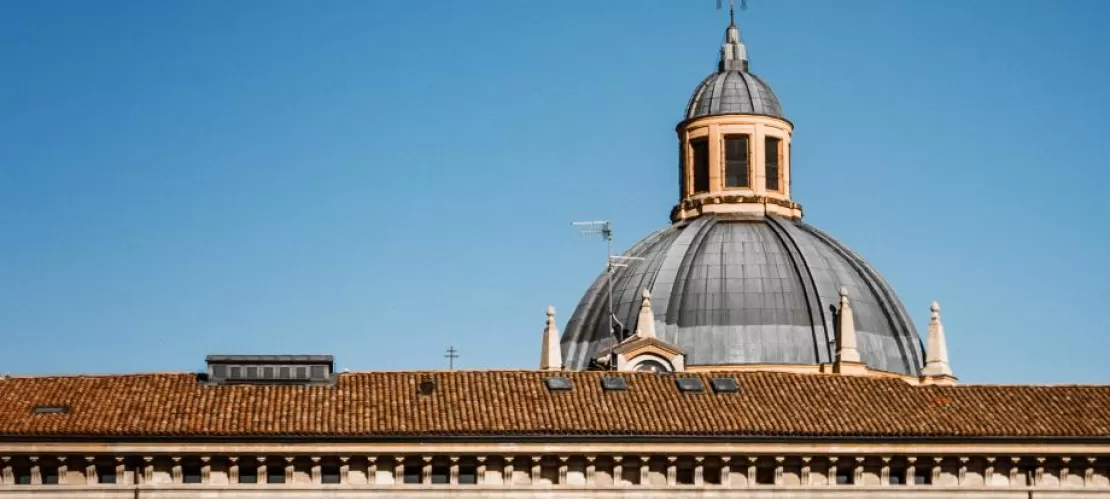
(734, 56)
(645, 321)
(551, 355)
(846, 330)
(936, 347)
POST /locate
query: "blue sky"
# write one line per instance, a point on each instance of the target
(379, 180)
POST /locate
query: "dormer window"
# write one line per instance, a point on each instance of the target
(773, 150)
(699, 155)
(736, 161)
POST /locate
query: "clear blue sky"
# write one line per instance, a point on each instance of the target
(378, 180)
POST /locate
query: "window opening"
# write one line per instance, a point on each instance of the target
(897, 476)
(190, 471)
(765, 475)
(699, 149)
(413, 472)
(248, 472)
(736, 161)
(329, 473)
(844, 476)
(105, 473)
(275, 472)
(772, 150)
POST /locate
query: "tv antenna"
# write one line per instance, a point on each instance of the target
(732, 9)
(604, 228)
(451, 355)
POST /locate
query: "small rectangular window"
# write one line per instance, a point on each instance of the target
(236, 372)
(275, 472)
(190, 471)
(268, 372)
(252, 372)
(772, 149)
(106, 474)
(318, 372)
(736, 161)
(329, 473)
(468, 472)
(248, 472)
(441, 473)
(302, 372)
(219, 372)
(699, 149)
(413, 472)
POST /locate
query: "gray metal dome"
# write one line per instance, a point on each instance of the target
(733, 92)
(748, 290)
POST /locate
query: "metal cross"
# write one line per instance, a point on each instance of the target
(451, 355)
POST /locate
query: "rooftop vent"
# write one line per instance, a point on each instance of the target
(426, 387)
(724, 385)
(558, 383)
(50, 409)
(270, 369)
(614, 384)
(689, 385)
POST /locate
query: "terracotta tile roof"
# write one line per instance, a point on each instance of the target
(470, 403)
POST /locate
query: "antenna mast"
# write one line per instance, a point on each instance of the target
(451, 355)
(604, 228)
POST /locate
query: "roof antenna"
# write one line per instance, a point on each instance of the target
(451, 355)
(604, 228)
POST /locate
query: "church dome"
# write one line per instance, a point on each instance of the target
(741, 289)
(733, 92)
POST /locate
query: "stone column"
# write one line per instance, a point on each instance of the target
(672, 470)
(398, 469)
(317, 476)
(176, 471)
(63, 470)
(1089, 472)
(1015, 471)
(618, 471)
(371, 471)
(832, 472)
(563, 470)
(988, 471)
(805, 475)
(726, 470)
(507, 471)
(453, 473)
(6, 475)
(699, 470)
(1038, 473)
(591, 470)
(205, 469)
(857, 472)
(90, 470)
(1065, 470)
(232, 469)
(645, 470)
(779, 469)
(937, 461)
(426, 471)
(884, 473)
(961, 477)
(36, 471)
(752, 469)
(480, 470)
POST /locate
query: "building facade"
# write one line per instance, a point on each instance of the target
(741, 353)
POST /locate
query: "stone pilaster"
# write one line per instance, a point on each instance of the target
(1015, 470)
(453, 472)
(90, 470)
(536, 469)
(480, 470)
(752, 461)
(1038, 472)
(834, 463)
(260, 464)
(937, 468)
(911, 471)
(563, 470)
(371, 471)
(36, 471)
(426, 471)
(205, 469)
(645, 470)
(699, 470)
(857, 472)
(591, 470)
(317, 475)
(121, 470)
(232, 469)
(507, 471)
(289, 469)
(6, 475)
(884, 472)
(805, 474)
(63, 470)
(176, 471)
(672, 470)
(1065, 470)
(726, 471)
(779, 469)
(1089, 472)
(961, 477)
(988, 471)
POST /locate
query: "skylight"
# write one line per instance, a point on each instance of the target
(689, 385)
(558, 383)
(724, 385)
(614, 384)
(50, 409)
